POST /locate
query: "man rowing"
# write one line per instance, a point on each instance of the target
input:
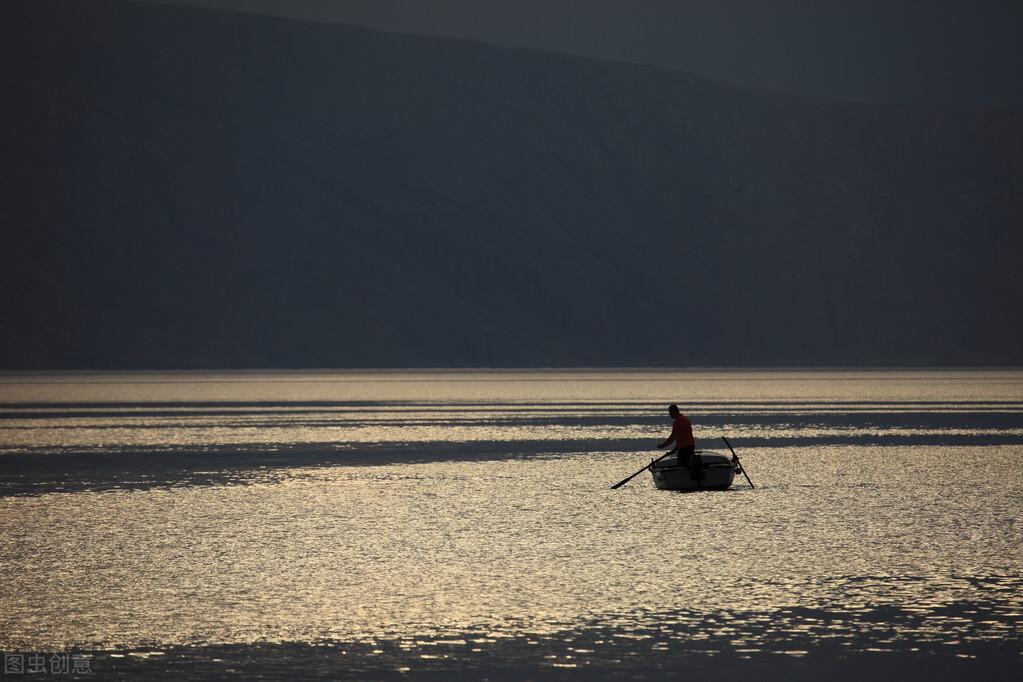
(681, 436)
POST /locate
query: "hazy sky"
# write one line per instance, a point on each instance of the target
(930, 51)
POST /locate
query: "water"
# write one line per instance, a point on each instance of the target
(394, 524)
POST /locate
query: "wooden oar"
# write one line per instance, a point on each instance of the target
(736, 458)
(619, 484)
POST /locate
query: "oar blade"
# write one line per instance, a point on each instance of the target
(619, 484)
(741, 467)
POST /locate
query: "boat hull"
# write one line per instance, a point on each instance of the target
(708, 471)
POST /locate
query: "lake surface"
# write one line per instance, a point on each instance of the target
(400, 524)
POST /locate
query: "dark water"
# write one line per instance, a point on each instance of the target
(403, 525)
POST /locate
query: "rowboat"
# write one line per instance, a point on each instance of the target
(708, 471)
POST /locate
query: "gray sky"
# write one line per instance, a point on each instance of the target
(956, 52)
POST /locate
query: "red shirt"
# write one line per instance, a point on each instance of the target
(681, 433)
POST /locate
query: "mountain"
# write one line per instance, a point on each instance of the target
(197, 188)
(941, 52)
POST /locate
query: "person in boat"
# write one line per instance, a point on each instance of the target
(681, 436)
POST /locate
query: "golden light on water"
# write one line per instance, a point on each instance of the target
(441, 548)
(493, 543)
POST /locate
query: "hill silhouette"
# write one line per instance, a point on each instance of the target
(198, 188)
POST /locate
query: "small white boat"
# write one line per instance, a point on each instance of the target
(708, 471)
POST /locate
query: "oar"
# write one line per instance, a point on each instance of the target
(619, 484)
(736, 458)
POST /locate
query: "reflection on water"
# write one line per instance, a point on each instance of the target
(881, 539)
(494, 547)
(126, 411)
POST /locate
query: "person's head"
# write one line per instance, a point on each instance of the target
(673, 411)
